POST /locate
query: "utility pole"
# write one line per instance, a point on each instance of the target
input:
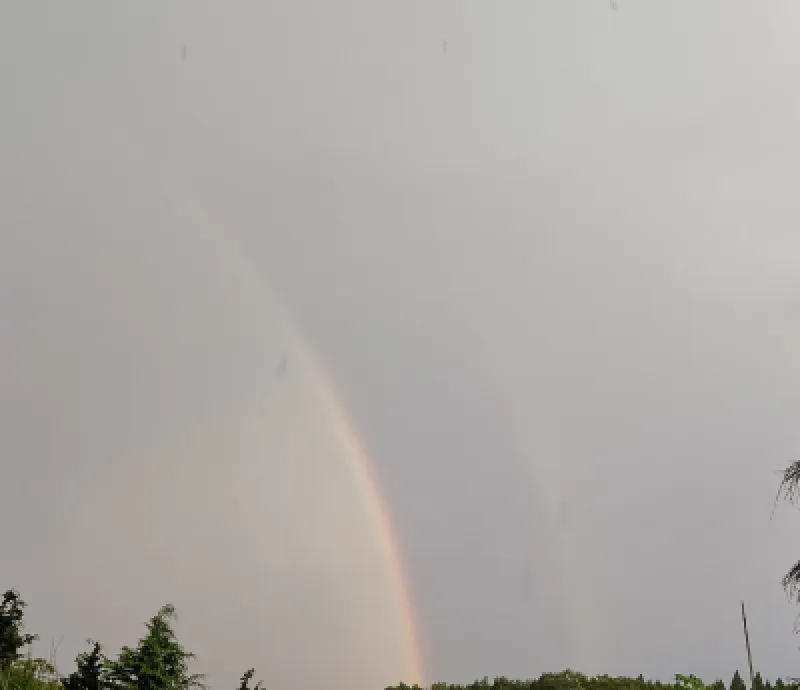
(749, 653)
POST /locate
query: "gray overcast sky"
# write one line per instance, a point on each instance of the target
(546, 250)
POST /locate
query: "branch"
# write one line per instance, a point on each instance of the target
(789, 487)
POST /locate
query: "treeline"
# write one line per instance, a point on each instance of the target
(158, 661)
(572, 680)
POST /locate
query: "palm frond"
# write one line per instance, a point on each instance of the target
(791, 582)
(789, 488)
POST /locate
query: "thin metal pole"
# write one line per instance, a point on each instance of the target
(749, 653)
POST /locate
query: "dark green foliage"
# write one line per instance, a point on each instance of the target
(572, 680)
(158, 662)
(244, 683)
(565, 680)
(12, 636)
(736, 682)
(90, 671)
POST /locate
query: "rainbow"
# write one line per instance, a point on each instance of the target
(343, 428)
(200, 227)
(227, 248)
(377, 512)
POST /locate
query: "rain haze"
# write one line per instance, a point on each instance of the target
(403, 341)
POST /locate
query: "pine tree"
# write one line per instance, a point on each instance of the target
(758, 681)
(90, 672)
(736, 682)
(159, 661)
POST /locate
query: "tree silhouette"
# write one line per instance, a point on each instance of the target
(244, 683)
(90, 671)
(158, 662)
(736, 682)
(12, 635)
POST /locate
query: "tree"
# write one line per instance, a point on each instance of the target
(12, 635)
(159, 661)
(244, 684)
(90, 671)
(789, 489)
(690, 682)
(736, 682)
(758, 682)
